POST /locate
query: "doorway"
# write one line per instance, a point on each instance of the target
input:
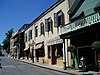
(87, 53)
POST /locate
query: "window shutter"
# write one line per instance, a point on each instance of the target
(24, 37)
(46, 25)
(62, 18)
(55, 20)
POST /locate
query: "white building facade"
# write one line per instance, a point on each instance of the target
(45, 41)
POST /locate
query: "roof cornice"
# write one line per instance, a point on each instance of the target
(45, 12)
(48, 10)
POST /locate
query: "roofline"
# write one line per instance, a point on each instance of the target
(45, 12)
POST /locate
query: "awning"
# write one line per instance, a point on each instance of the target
(75, 6)
(38, 46)
(97, 7)
(77, 15)
(26, 49)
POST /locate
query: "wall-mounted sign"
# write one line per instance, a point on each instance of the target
(53, 42)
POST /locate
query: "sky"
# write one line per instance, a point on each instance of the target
(15, 13)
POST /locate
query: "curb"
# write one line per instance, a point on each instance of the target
(49, 68)
(98, 72)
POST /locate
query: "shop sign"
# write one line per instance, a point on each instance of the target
(53, 42)
(83, 22)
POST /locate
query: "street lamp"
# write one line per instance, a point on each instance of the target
(33, 51)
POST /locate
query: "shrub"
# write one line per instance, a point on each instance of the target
(96, 45)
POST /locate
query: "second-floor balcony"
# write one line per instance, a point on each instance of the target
(80, 23)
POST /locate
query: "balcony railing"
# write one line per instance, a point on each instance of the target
(80, 23)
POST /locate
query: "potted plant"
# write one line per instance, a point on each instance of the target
(71, 48)
(95, 48)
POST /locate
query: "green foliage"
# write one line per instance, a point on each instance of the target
(0, 46)
(96, 45)
(71, 48)
(9, 33)
(6, 41)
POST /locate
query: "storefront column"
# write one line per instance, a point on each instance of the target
(69, 53)
(50, 55)
(34, 56)
(46, 54)
(64, 54)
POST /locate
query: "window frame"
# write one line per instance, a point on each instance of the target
(41, 28)
(36, 31)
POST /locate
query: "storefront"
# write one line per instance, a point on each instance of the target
(55, 52)
(39, 52)
(82, 34)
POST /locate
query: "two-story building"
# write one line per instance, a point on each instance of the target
(43, 34)
(17, 44)
(14, 45)
(82, 31)
(28, 39)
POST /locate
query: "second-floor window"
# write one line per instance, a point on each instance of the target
(58, 18)
(26, 37)
(42, 28)
(48, 25)
(36, 31)
(30, 34)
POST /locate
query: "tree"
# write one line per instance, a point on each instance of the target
(0, 46)
(6, 41)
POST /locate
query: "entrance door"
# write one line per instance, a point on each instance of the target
(54, 60)
(87, 53)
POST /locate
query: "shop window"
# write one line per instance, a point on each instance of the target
(59, 51)
(41, 53)
(98, 56)
(49, 56)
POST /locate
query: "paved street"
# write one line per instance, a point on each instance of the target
(14, 67)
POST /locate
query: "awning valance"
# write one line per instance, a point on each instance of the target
(77, 15)
(38, 46)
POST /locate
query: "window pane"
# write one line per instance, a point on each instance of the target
(36, 31)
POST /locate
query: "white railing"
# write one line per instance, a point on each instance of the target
(78, 24)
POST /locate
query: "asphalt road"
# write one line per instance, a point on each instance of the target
(14, 67)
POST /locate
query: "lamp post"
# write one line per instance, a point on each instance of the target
(33, 51)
